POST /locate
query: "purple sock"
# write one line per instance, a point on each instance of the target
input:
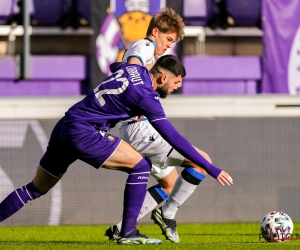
(134, 195)
(18, 199)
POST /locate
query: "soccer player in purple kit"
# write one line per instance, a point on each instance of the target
(82, 134)
(165, 28)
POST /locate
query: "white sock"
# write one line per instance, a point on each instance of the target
(184, 186)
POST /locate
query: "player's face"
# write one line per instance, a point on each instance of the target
(169, 84)
(163, 41)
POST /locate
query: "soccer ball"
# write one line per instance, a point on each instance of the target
(276, 226)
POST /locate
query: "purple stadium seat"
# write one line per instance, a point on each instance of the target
(8, 67)
(221, 75)
(58, 67)
(6, 8)
(84, 8)
(244, 12)
(49, 12)
(50, 76)
(199, 12)
(40, 88)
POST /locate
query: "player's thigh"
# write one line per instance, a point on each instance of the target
(123, 157)
(146, 140)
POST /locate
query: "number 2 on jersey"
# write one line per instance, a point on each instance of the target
(114, 77)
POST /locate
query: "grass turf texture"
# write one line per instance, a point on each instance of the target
(193, 236)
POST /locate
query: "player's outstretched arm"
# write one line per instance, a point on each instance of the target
(184, 147)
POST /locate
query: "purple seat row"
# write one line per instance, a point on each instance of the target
(49, 75)
(201, 12)
(230, 75)
(45, 12)
(62, 75)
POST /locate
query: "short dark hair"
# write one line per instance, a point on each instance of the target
(170, 63)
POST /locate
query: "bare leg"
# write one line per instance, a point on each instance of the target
(43, 181)
(168, 181)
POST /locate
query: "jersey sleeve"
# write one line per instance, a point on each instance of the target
(143, 50)
(151, 107)
(183, 146)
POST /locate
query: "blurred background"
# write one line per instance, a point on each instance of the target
(239, 101)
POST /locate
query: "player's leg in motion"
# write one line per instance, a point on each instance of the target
(155, 195)
(46, 177)
(184, 186)
(16, 200)
(144, 138)
(127, 159)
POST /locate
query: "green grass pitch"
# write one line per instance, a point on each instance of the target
(193, 236)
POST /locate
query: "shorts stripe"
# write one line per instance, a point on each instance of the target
(140, 173)
(48, 172)
(130, 183)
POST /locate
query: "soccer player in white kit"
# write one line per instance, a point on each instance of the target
(164, 29)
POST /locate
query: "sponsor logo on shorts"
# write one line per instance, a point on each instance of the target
(151, 138)
(110, 137)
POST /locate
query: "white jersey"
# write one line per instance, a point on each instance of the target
(142, 49)
(141, 135)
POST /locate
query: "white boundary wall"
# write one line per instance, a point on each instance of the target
(175, 106)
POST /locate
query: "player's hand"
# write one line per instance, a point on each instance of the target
(224, 179)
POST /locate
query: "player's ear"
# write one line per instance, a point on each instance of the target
(159, 81)
(154, 31)
(163, 78)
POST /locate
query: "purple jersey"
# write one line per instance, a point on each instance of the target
(126, 93)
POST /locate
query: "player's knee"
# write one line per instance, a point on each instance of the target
(200, 170)
(167, 184)
(143, 165)
(188, 164)
(192, 176)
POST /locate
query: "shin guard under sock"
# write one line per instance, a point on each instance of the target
(154, 196)
(134, 195)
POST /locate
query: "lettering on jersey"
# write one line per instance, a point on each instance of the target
(134, 75)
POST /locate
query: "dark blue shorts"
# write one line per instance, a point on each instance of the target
(71, 141)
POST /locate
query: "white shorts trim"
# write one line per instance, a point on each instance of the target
(159, 173)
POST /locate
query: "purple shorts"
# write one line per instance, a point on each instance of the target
(71, 141)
